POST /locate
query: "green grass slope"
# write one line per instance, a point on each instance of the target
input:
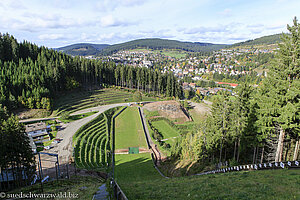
(265, 185)
(72, 186)
(78, 100)
(166, 130)
(129, 130)
(92, 142)
(135, 167)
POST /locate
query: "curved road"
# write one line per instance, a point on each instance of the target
(64, 148)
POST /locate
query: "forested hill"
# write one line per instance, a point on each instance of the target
(159, 44)
(265, 40)
(85, 49)
(32, 76)
(82, 49)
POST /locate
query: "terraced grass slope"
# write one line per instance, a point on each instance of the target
(79, 100)
(92, 142)
(129, 130)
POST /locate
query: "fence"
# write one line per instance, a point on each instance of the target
(118, 193)
(154, 153)
(261, 166)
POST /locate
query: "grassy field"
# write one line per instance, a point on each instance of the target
(166, 130)
(129, 130)
(78, 100)
(172, 53)
(74, 186)
(134, 168)
(77, 117)
(271, 184)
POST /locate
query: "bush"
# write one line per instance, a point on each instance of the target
(53, 128)
(65, 115)
(137, 96)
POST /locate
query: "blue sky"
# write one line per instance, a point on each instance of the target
(56, 23)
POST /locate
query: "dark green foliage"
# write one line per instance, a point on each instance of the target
(32, 76)
(82, 49)
(159, 44)
(16, 154)
(278, 97)
(255, 125)
(270, 39)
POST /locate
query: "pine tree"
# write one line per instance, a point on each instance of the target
(279, 94)
(15, 150)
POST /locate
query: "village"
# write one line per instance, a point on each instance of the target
(232, 62)
(203, 73)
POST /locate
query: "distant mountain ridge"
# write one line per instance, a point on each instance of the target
(86, 49)
(159, 44)
(82, 49)
(270, 39)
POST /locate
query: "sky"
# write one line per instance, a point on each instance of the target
(57, 23)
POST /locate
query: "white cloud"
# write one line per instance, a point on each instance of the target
(204, 29)
(110, 20)
(38, 22)
(51, 36)
(111, 5)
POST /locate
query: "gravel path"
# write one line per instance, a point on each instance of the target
(64, 148)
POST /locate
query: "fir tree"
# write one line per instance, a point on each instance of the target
(279, 94)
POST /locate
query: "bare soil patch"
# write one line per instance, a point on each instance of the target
(125, 151)
(169, 109)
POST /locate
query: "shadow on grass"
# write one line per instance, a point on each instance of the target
(135, 167)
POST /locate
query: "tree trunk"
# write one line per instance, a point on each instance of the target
(262, 154)
(296, 150)
(234, 152)
(279, 150)
(220, 158)
(254, 151)
(287, 151)
(238, 148)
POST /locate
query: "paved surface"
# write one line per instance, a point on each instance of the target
(101, 194)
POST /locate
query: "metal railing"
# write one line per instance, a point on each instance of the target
(261, 166)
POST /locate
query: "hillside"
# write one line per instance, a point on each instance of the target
(82, 49)
(85, 49)
(159, 44)
(265, 40)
